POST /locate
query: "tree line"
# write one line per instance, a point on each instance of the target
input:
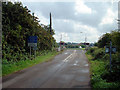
(17, 25)
(113, 36)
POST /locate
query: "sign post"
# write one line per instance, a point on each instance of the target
(30, 52)
(32, 42)
(110, 50)
(110, 54)
(35, 48)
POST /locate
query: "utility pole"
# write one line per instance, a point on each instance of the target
(50, 24)
(60, 40)
(85, 41)
(51, 28)
(33, 16)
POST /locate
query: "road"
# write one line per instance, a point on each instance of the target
(69, 69)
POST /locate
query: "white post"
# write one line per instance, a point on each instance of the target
(35, 54)
(30, 52)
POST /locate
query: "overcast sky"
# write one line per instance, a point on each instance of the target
(92, 18)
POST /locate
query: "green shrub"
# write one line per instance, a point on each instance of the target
(98, 53)
(106, 57)
(113, 75)
(91, 50)
(98, 69)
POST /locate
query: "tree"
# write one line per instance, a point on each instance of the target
(18, 25)
(114, 36)
(104, 40)
(116, 39)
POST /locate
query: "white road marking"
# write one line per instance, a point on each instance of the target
(66, 53)
(86, 65)
(85, 71)
(66, 59)
(76, 62)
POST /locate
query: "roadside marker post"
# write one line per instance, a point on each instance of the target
(30, 52)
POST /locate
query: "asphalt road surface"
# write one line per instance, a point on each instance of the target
(67, 70)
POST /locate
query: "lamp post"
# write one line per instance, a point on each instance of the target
(85, 40)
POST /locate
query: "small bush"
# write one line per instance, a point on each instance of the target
(101, 76)
(100, 68)
(98, 53)
(91, 50)
(113, 75)
(106, 57)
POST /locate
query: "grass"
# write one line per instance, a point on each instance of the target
(97, 68)
(20, 65)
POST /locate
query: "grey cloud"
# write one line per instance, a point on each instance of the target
(66, 10)
(60, 25)
(107, 28)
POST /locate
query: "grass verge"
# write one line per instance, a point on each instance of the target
(97, 69)
(20, 65)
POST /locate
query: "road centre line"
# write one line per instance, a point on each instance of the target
(65, 60)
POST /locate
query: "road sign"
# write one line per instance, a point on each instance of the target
(113, 50)
(107, 50)
(32, 44)
(32, 39)
(35, 48)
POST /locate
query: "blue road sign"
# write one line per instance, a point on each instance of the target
(32, 39)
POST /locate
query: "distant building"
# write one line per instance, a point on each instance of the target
(84, 43)
(91, 45)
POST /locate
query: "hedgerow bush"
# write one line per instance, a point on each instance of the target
(98, 53)
(107, 77)
(91, 50)
(113, 75)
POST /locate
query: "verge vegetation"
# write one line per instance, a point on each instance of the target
(101, 75)
(11, 67)
(18, 23)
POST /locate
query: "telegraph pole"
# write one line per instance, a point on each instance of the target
(60, 41)
(50, 24)
(51, 27)
(85, 41)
